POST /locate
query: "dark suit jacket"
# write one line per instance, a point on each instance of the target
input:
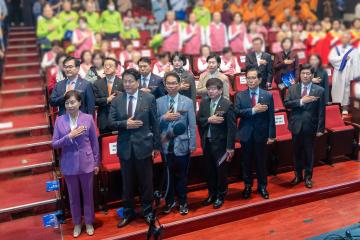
(266, 70)
(86, 92)
(281, 68)
(142, 140)
(156, 85)
(222, 135)
(320, 72)
(309, 118)
(260, 125)
(101, 94)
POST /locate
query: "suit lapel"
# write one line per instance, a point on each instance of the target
(247, 98)
(104, 86)
(138, 103)
(151, 81)
(66, 123)
(78, 84)
(115, 84)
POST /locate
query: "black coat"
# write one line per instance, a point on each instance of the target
(266, 70)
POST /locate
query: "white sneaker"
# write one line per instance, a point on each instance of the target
(345, 112)
(77, 230)
(89, 229)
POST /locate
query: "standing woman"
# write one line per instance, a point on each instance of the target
(193, 36)
(86, 63)
(320, 75)
(83, 38)
(75, 135)
(96, 71)
(286, 63)
(237, 34)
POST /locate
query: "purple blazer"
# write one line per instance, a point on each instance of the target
(78, 155)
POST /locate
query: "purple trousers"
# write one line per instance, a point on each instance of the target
(85, 182)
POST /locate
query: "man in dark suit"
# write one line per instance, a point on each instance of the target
(255, 107)
(307, 120)
(217, 126)
(261, 61)
(73, 82)
(133, 114)
(150, 82)
(105, 91)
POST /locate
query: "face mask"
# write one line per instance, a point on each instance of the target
(111, 8)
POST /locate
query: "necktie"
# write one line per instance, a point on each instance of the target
(130, 106)
(304, 92)
(109, 86)
(70, 86)
(143, 83)
(253, 99)
(172, 103)
(212, 108)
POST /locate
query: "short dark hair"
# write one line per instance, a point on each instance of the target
(112, 59)
(214, 82)
(254, 70)
(213, 55)
(163, 54)
(287, 39)
(172, 74)
(83, 54)
(318, 57)
(71, 58)
(72, 93)
(306, 66)
(226, 50)
(58, 57)
(133, 72)
(145, 60)
(82, 18)
(98, 53)
(180, 56)
(258, 39)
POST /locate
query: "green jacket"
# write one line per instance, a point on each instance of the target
(203, 16)
(93, 21)
(68, 20)
(42, 28)
(111, 22)
(131, 33)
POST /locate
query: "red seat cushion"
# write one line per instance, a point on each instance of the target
(112, 166)
(281, 123)
(333, 117)
(109, 158)
(341, 128)
(278, 103)
(284, 137)
(240, 83)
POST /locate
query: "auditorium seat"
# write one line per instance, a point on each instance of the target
(241, 57)
(301, 53)
(199, 151)
(240, 82)
(330, 72)
(278, 103)
(283, 160)
(271, 38)
(195, 67)
(343, 136)
(136, 43)
(147, 52)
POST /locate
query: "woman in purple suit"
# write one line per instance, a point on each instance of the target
(75, 134)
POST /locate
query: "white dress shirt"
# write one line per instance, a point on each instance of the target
(134, 101)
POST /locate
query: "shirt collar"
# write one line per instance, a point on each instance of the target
(74, 80)
(147, 78)
(256, 91)
(135, 95)
(308, 86)
(216, 101)
(111, 79)
(175, 98)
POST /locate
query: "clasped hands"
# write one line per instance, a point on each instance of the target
(259, 108)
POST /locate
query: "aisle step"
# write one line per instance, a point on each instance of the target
(21, 102)
(22, 57)
(22, 28)
(29, 48)
(25, 144)
(22, 91)
(23, 123)
(21, 40)
(11, 69)
(23, 162)
(16, 85)
(33, 77)
(26, 194)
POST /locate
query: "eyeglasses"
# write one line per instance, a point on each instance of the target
(68, 66)
(251, 78)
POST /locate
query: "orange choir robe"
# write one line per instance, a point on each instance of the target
(260, 11)
(332, 39)
(214, 5)
(355, 34)
(306, 13)
(277, 7)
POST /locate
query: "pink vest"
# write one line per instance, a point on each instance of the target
(237, 44)
(217, 37)
(172, 42)
(232, 69)
(132, 65)
(86, 45)
(192, 46)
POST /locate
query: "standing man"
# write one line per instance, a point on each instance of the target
(217, 126)
(261, 61)
(133, 115)
(105, 90)
(216, 34)
(150, 82)
(346, 61)
(73, 82)
(213, 62)
(255, 107)
(177, 126)
(307, 120)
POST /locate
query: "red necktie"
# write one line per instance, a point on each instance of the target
(130, 106)
(253, 98)
(304, 92)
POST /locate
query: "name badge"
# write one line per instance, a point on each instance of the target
(242, 80)
(115, 44)
(113, 148)
(301, 55)
(279, 120)
(146, 53)
(242, 59)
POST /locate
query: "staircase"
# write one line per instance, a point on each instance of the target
(26, 158)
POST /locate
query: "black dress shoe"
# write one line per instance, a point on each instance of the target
(308, 183)
(125, 221)
(210, 200)
(218, 203)
(247, 192)
(264, 193)
(296, 180)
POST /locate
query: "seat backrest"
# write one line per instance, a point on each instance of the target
(281, 123)
(271, 38)
(241, 57)
(330, 71)
(136, 43)
(278, 103)
(147, 52)
(195, 66)
(333, 117)
(109, 149)
(240, 82)
(301, 53)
